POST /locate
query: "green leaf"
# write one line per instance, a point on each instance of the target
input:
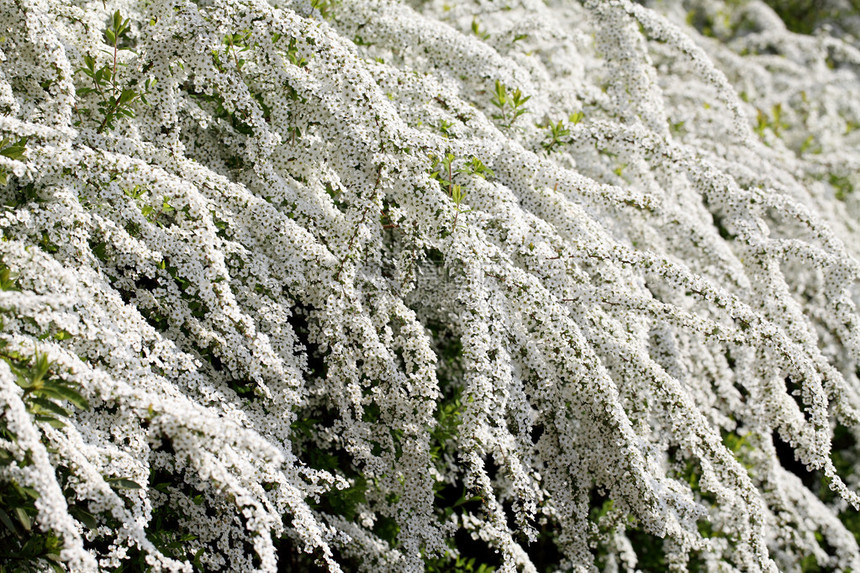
(501, 95)
(40, 367)
(127, 96)
(464, 500)
(23, 379)
(28, 491)
(50, 420)
(457, 194)
(84, 517)
(49, 406)
(8, 279)
(16, 150)
(518, 98)
(23, 518)
(123, 483)
(72, 396)
(100, 75)
(7, 521)
(117, 20)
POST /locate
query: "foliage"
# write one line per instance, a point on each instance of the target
(114, 100)
(510, 104)
(12, 150)
(26, 544)
(804, 16)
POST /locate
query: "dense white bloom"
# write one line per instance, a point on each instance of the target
(319, 269)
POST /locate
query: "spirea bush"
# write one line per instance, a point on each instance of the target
(376, 286)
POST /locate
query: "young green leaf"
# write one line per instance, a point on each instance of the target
(123, 483)
(7, 521)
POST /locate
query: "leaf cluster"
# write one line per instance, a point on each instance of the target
(23, 545)
(558, 133)
(161, 215)
(511, 104)
(45, 394)
(476, 29)
(49, 399)
(13, 150)
(457, 564)
(325, 7)
(443, 170)
(237, 43)
(115, 100)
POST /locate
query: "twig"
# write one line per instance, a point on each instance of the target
(358, 226)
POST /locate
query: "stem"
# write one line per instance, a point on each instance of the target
(233, 52)
(113, 74)
(107, 117)
(99, 89)
(357, 227)
(113, 106)
(451, 193)
(80, 117)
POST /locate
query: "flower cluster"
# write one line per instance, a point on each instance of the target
(332, 284)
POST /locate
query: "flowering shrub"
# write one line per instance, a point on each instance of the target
(359, 285)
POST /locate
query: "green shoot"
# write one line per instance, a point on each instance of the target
(443, 171)
(555, 138)
(511, 104)
(324, 6)
(236, 44)
(115, 100)
(476, 29)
